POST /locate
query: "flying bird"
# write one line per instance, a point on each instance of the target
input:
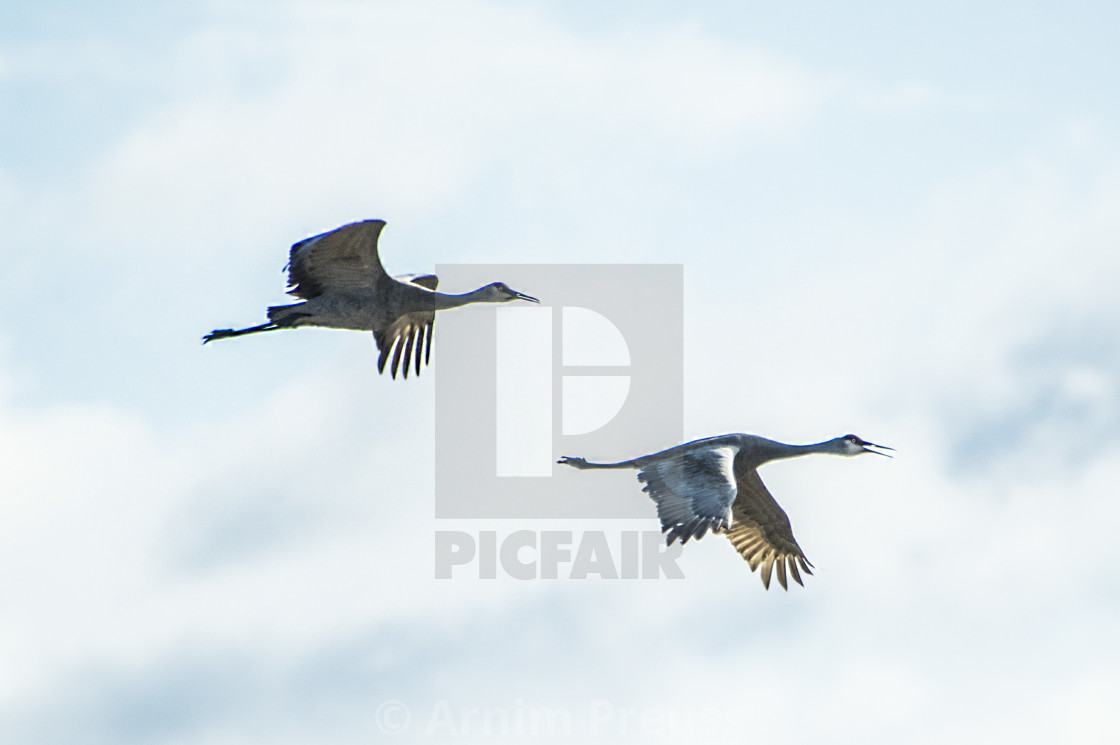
(342, 285)
(713, 484)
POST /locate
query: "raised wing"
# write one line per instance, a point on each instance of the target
(693, 489)
(760, 531)
(427, 281)
(410, 336)
(343, 260)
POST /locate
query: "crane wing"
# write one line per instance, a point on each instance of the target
(410, 336)
(693, 490)
(427, 281)
(344, 259)
(760, 531)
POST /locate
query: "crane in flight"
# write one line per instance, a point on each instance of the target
(713, 484)
(342, 285)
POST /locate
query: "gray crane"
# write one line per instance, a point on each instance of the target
(342, 284)
(713, 484)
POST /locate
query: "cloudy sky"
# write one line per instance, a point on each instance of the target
(897, 221)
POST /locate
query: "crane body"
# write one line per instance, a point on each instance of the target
(342, 285)
(713, 485)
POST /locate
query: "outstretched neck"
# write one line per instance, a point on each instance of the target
(443, 301)
(769, 450)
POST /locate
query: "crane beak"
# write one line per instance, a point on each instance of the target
(868, 445)
(522, 296)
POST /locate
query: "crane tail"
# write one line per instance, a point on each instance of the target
(287, 315)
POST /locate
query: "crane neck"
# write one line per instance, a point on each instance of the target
(443, 301)
(769, 450)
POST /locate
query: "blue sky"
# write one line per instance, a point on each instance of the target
(895, 221)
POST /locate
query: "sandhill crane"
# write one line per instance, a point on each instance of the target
(713, 484)
(343, 285)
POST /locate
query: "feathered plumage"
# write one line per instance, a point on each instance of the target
(712, 485)
(339, 278)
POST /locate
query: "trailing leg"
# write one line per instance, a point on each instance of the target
(279, 317)
(582, 463)
(227, 333)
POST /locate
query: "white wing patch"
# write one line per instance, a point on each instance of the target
(726, 456)
(693, 489)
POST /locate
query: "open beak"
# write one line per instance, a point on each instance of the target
(868, 445)
(522, 296)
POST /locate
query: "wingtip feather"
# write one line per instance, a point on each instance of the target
(793, 570)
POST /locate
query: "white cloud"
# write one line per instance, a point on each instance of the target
(897, 546)
(408, 106)
(1087, 710)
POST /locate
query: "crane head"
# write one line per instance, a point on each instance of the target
(500, 292)
(852, 445)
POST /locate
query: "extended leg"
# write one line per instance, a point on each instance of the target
(227, 333)
(582, 464)
(279, 317)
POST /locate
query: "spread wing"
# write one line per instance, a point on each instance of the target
(761, 533)
(693, 491)
(345, 260)
(410, 336)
